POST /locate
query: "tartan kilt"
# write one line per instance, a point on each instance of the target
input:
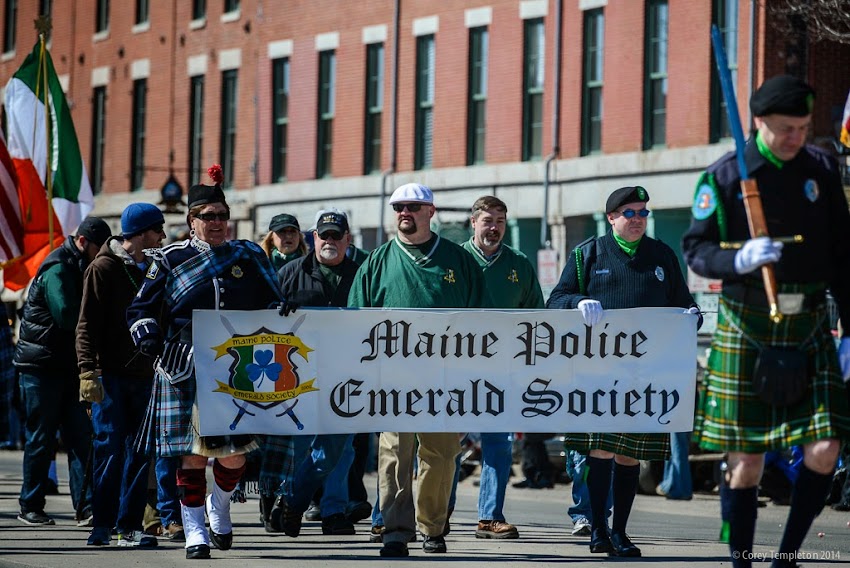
(278, 463)
(169, 427)
(731, 418)
(633, 445)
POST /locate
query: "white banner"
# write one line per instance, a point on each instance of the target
(323, 371)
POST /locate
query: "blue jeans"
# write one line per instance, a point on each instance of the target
(577, 470)
(677, 482)
(311, 471)
(167, 502)
(335, 491)
(496, 463)
(119, 473)
(52, 404)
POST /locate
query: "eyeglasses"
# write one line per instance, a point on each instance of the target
(629, 213)
(412, 207)
(331, 236)
(158, 229)
(207, 217)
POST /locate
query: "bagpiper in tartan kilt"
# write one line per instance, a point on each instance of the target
(730, 416)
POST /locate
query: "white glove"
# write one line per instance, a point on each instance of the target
(844, 358)
(693, 310)
(757, 252)
(591, 311)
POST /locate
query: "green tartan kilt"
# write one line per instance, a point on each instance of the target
(731, 418)
(638, 446)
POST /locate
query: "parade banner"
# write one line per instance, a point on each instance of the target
(325, 371)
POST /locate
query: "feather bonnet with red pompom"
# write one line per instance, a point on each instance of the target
(206, 194)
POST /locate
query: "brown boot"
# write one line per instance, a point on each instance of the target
(496, 529)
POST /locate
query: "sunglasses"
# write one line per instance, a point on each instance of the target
(412, 207)
(629, 213)
(158, 229)
(331, 236)
(207, 217)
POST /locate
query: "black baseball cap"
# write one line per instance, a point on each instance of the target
(282, 221)
(95, 230)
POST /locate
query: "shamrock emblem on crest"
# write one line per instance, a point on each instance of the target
(263, 367)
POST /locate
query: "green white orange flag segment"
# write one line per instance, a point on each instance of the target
(31, 128)
(11, 227)
(845, 123)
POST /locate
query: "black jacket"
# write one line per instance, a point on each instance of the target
(302, 283)
(44, 346)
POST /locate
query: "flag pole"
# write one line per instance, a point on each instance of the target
(43, 25)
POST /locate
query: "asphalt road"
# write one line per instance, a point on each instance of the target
(670, 534)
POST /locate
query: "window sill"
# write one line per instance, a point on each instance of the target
(233, 16)
(7, 56)
(198, 24)
(100, 36)
(142, 28)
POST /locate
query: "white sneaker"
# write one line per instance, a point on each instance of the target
(137, 538)
(581, 527)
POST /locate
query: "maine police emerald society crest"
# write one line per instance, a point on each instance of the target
(263, 372)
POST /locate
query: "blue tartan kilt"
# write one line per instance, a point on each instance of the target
(731, 418)
(169, 430)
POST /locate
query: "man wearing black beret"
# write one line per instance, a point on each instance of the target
(621, 269)
(802, 194)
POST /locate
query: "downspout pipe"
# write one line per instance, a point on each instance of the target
(556, 129)
(382, 203)
(751, 71)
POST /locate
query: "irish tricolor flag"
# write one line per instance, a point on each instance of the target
(46, 156)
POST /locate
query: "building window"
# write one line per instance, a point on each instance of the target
(655, 81)
(196, 129)
(228, 125)
(231, 5)
(137, 151)
(101, 23)
(424, 129)
(591, 96)
(10, 15)
(476, 118)
(725, 16)
(143, 11)
(374, 107)
(280, 119)
(45, 8)
(98, 138)
(199, 9)
(532, 90)
(324, 144)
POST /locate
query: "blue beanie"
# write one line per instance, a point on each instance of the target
(139, 217)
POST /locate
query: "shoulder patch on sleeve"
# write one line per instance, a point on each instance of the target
(152, 271)
(705, 201)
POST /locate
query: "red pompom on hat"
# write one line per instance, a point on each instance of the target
(216, 174)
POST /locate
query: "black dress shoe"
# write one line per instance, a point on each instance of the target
(286, 520)
(434, 544)
(623, 546)
(221, 541)
(199, 551)
(600, 542)
(394, 549)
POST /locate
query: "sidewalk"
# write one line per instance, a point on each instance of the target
(670, 534)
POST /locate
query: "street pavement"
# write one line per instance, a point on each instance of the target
(670, 534)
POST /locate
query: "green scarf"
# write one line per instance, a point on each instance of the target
(630, 248)
(768, 155)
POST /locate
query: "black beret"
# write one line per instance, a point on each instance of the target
(282, 221)
(631, 194)
(205, 194)
(783, 94)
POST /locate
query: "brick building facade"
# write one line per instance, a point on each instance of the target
(149, 59)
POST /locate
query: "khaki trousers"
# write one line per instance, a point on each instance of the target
(437, 453)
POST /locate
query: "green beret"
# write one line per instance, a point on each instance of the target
(783, 94)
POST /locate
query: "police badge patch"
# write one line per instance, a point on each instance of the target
(659, 273)
(705, 202)
(810, 188)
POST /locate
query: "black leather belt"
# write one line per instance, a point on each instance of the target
(756, 297)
